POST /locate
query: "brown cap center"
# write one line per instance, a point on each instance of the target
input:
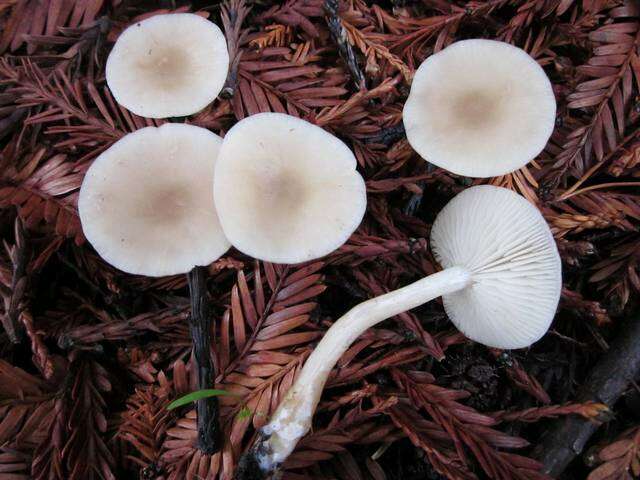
(475, 109)
(168, 64)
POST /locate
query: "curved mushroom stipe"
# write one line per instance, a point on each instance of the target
(492, 278)
(292, 419)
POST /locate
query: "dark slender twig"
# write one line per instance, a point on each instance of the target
(339, 35)
(200, 326)
(388, 136)
(14, 301)
(606, 383)
(233, 14)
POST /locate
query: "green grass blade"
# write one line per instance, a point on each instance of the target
(195, 396)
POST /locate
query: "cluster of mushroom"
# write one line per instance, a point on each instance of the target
(163, 200)
(171, 199)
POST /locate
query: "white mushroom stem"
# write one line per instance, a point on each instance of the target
(292, 420)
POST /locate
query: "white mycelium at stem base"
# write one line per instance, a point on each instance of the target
(501, 287)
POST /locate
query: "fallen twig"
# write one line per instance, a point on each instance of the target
(234, 13)
(339, 35)
(388, 136)
(606, 383)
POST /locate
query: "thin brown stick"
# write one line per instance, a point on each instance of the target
(599, 187)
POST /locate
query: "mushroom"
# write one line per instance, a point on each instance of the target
(286, 190)
(168, 65)
(500, 285)
(146, 206)
(479, 108)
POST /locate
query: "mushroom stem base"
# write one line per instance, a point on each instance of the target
(251, 465)
(200, 327)
(292, 419)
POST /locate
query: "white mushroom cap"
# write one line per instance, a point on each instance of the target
(146, 205)
(168, 65)
(286, 190)
(480, 108)
(516, 272)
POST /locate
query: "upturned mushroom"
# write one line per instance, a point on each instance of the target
(168, 65)
(286, 190)
(146, 206)
(500, 286)
(479, 108)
